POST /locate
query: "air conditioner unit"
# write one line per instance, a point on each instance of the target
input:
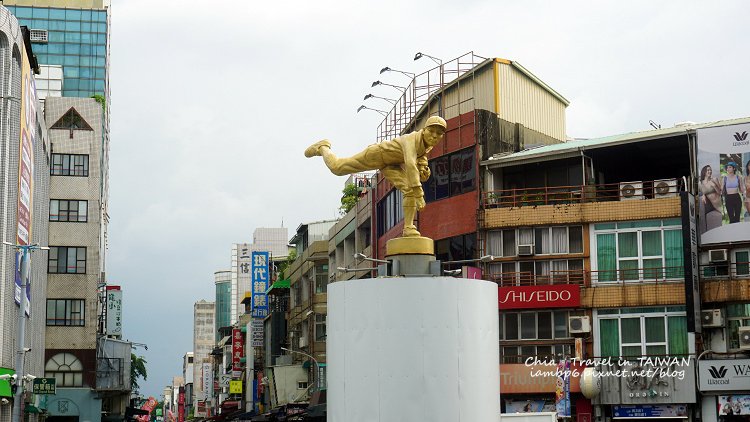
(665, 188)
(579, 325)
(717, 255)
(525, 250)
(38, 35)
(631, 190)
(744, 333)
(303, 342)
(712, 318)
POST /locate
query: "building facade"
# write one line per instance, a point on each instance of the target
(223, 282)
(24, 188)
(203, 345)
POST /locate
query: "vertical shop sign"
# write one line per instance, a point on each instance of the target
(260, 279)
(690, 250)
(114, 311)
(238, 349)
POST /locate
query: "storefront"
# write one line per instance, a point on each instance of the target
(646, 389)
(725, 387)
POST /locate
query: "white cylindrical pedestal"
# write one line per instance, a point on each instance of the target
(413, 349)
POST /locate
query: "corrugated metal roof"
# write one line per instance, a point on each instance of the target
(570, 148)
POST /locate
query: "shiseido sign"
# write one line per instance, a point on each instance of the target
(724, 375)
(554, 296)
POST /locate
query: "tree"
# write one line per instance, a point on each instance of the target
(284, 266)
(101, 100)
(137, 370)
(349, 199)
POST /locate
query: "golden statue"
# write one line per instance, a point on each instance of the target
(403, 162)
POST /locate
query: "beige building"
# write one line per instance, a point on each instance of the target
(203, 344)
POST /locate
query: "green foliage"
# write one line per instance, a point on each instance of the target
(349, 199)
(285, 265)
(101, 100)
(137, 370)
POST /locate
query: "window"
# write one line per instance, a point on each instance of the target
(638, 250)
(636, 332)
(66, 260)
(321, 278)
(71, 120)
(68, 312)
(320, 327)
(742, 263)
(519, 354)
(450, 175)
(456, 248)
(545, 240)
(302, 385)
(542, 325)
(738, 315)
(69, 165)
(66, 369)
(390, 211)
(68, 210)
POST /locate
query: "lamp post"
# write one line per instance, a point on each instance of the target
(364, 107)
(25, 263)
(317, 365)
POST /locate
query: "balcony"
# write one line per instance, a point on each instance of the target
(576, 204)
(725, 282)
(113, 365)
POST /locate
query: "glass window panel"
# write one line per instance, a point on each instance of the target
(57, 26)
(672, 222)
(54, 210)
(73, 37)
(609, 337)
(511, 326)
(627, 244)
(457, 248)
(677, 335)
(559, 240)
(441, 171)
(455, 174)
(629, 269)
(495, 243)
(528, 325)
(55, 36)
(544, 352)
(40, 13)
(742, 262)
(101, 27)
(605, 257)
(527, 352)
(82, 211)
(544, 325)
(470, 246)
(631, 351)
(23, 13)
(651, 243)
(575, 239)
(525, 236)
(604, 226)
(656, 350)
(468, 175)
(72, 25)
(86, 15)
(73, 49)
(86, 27)
(542, 240)
(655, 330)
(510, 355)
(509, 243)
(526, 272)
(542, 272)
(71, 260)
(631, 330)
(57, 14)
(652, 269)
(73, 14)
(561, 324)
(99, 61)
(501, 327)
(673, 254)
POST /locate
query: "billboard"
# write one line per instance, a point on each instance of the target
(25, 190)
(114, 311)
(724, 375)
(723, 163)
(534, 297)
(260, 284)
(244, 269)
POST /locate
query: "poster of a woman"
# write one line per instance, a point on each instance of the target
(723, 182)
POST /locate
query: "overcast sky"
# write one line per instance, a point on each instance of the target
(213, 103)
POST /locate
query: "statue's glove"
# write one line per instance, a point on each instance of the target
(418, 194)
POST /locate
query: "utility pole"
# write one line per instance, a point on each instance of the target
(21, 351)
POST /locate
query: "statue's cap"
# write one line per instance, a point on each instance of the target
(436, 121)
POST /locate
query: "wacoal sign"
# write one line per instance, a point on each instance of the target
(724, 375)
(531, 297)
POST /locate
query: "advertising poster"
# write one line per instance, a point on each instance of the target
(529, 406)
(723, 163)
(25, 173)
(734, 405)
(260, 284)
(562, 389)
(148, 406)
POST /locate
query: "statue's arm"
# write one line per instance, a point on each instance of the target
(410, 167)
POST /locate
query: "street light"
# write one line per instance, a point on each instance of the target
(434, 59)
(376, 83)
(364, 107)
(360, 255)
(25, 282)
(317, 365)
(485, 259)
(381, 98)
(388, 69)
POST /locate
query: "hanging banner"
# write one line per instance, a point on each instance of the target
(25, 174)
(562, 389)
(148, 406)
(260, 284)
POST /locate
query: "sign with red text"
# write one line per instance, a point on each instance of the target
(238, 349)
(533, 297)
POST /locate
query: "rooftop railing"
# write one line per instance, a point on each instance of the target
(586, 277)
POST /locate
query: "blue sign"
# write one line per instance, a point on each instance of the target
(649, 411)
(260, 278)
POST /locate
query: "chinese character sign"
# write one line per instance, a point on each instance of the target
(114, 313)
(244, 269)
(260, 279)
(238, 349)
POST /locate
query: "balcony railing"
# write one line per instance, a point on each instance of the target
(555, 195)
(725, 271)
(630, 275)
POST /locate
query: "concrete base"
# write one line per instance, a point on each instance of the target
(413, 349)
